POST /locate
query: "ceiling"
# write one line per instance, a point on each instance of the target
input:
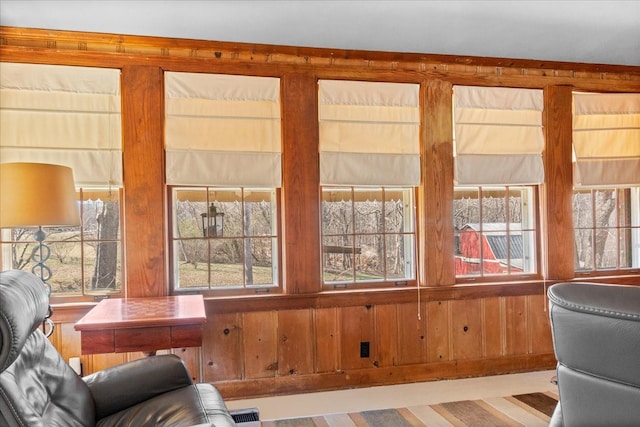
(600, 32)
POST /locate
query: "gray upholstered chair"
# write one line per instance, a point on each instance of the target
(38, 388)
(596, 337)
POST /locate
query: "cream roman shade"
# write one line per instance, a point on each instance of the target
(498, 136)
(606, 139)
(369, 133)
(222, 130)
(63, 115)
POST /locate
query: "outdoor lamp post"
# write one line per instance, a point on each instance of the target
(212, 222)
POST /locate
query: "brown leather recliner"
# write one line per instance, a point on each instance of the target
(38, 388)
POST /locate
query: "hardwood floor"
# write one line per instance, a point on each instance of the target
(397, 396)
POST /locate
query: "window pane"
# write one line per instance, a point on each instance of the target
(369, 258)
(190, 263)
(260, 269)
(190, 205)
(398, 209)
(399, 259)
(368, 211)
(259, 213)
(493, 208)
(466, 209)
(99, 276)
(338, 254)
(626, 248)
(337, 211)
(226, 262)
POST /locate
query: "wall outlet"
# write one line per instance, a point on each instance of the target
(364, 349)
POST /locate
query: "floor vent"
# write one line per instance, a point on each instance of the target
(246, 417)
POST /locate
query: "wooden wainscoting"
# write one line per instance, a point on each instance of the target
(257, 353)
(287, 351)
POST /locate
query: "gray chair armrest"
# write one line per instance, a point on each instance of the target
(125, 385)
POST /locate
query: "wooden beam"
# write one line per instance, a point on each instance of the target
(144, 220)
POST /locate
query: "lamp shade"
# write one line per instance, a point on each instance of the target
(37, 194)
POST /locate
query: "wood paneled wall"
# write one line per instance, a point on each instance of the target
(306, 338)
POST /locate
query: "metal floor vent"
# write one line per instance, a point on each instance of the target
(246, 417)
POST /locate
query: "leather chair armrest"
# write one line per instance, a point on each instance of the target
(119, 387)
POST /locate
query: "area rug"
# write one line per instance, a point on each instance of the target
(530, 410)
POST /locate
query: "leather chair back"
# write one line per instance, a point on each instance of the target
(596, 337)
(37, 386)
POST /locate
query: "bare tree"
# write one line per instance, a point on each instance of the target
(105, 269)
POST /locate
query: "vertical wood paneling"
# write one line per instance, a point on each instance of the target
(357, 325)
(412, 334)
(437, 243)
(222, 352)
(98, 362)
(516, 331)
(387, 327)
(143, 165)
(558, 188)
(493, 327)
(466, 324)
(295, 342)
(539, 325)
(300, 191)
(327, 335)
(191, 357)
(260, 344)
(438, 328)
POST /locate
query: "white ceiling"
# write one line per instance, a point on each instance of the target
(601, 32)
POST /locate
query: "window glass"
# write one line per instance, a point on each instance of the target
(368, 235)
(85, 260)
(495, 233)
(224, 238)
(607, 229)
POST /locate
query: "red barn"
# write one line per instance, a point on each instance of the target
(498, 251)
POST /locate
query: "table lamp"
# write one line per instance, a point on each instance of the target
(37, 195)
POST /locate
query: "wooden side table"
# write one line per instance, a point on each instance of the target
(142, 324)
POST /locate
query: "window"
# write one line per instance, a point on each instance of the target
(85, 260)
(368, 235)
(369, 168)
(495, 231)
(224, 238)
(606, 201)
(223, 168)
(498, 164)
(68, 116)
(607, 229)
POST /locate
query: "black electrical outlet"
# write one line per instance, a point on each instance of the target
(364, 349)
